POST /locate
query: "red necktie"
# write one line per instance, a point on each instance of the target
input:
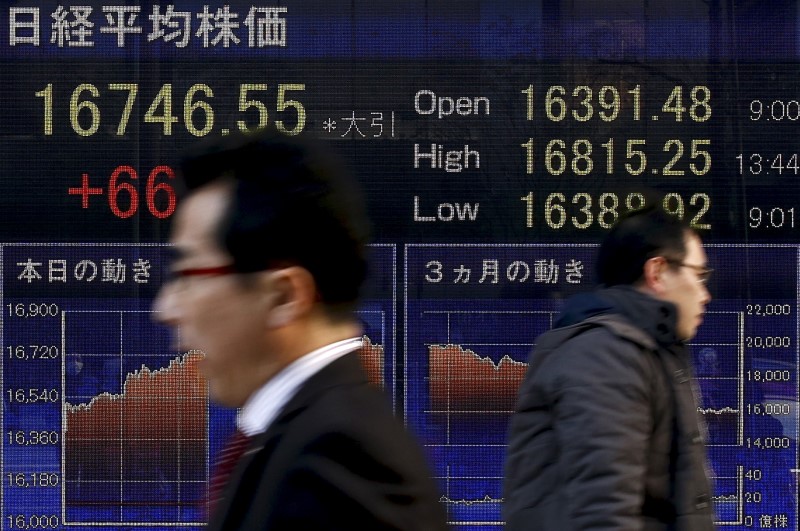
(226, 461)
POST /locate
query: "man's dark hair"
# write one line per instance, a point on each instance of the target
(637, 237)
(293, 203)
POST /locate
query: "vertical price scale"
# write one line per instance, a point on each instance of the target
(32, 398)
(473, 313)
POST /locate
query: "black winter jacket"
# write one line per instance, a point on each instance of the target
(606, 434)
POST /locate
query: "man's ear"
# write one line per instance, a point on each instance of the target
(653, 275)
(290, 294)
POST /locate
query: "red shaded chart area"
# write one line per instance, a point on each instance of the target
(461, 380)
(372, 359)
(144, 447)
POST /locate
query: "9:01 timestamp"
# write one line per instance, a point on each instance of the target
(771, 218)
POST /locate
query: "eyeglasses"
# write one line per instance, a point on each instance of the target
(216, 271)
(703, 272)
(179, 276)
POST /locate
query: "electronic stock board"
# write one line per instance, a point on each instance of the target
(496, 142)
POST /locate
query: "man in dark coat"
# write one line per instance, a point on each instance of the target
(269, 259)
(606, 434)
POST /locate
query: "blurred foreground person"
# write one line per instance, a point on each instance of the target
(606, 434)
(269, 258)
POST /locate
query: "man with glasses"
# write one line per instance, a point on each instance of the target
(269, 258)
(606, 434)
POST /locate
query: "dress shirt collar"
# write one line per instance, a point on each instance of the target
(266, 403)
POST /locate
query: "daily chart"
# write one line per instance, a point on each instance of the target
(106, 426)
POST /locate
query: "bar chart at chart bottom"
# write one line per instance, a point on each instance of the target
(473, 314)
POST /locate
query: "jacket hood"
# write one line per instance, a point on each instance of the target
(655, 317)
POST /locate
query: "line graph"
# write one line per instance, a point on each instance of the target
(718, 354)
(377, 312)
(471, 381)
(373, 361)
(729, 502)
(464, 506)
(135, 450)
(461, 380)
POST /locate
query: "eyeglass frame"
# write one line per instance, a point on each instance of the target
(215, 271)
(176, 275)
(704, 272)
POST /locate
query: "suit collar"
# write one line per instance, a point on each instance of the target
(266, 403)
(344, 371)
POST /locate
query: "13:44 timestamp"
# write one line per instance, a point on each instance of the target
(766, 164)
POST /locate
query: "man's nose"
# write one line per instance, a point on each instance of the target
(706, 294)
(165, 305)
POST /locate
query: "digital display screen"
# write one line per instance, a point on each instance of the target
(496, 143)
